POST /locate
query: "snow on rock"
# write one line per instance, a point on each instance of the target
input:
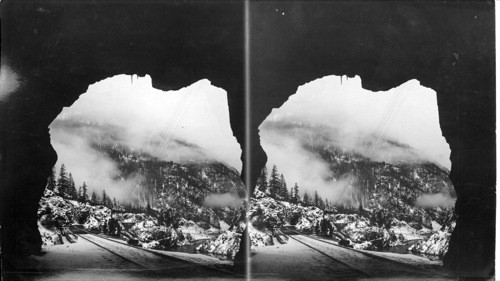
(227, 244)
(304, 224)
(196, 232)
(258, 238)
(92, 224)
(404, 231)
(55, 211)
(436, 245)
(96, 215)
(49, 237)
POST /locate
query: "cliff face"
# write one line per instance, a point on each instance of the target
(57, 49)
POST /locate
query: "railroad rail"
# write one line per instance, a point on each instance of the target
(366, 264)
(148, 260)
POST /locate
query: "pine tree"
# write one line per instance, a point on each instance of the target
(79, 198)
(283, 189)
(71, 191)
(274, 182)
(262, 180)
(306, 200)
(104, 201)
(51, 181)
(94, 200)
(62, 182)
(114, 203)
(296, 195)
(316, 199)
(327, 204)
(85, 196)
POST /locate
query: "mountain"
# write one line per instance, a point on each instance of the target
(182, 187)
(179, 186)
(376, 188)
(385, 189)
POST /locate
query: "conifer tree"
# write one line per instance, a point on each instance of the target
(114, 203)
(296, 195)
(71, 191)
(85, 196)
(94, 200)
(79, 198)
(274, 182)
(62, 182)
(104, 200)
(316, 199)
(283, 189)
(306, 200)
(262, 180)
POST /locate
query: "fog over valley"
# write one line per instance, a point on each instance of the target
(188, 125)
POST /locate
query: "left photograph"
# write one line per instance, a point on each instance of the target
(121, 135)
(146, 180)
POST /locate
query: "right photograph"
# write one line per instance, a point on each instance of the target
(356, 184)
(371, 140)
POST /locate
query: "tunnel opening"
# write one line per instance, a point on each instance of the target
(160, 169)
(369, 170)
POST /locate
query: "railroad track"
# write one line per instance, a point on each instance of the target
(155, 263)
(366, 264)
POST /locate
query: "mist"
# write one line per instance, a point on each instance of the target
(188, 125)
(401, 124)
(435, 200)
(223, 200)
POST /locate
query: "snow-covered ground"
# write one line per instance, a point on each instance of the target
(85, 260)
(296, 261)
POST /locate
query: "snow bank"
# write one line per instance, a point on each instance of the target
(436, 245)
(227, 244)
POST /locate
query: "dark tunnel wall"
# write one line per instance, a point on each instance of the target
(58, 48)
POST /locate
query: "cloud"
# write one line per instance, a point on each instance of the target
(364, 121)
(191, 124)
(401, 124)
(435, 200)
(89, 166)
(300, 166)
(223, 200)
